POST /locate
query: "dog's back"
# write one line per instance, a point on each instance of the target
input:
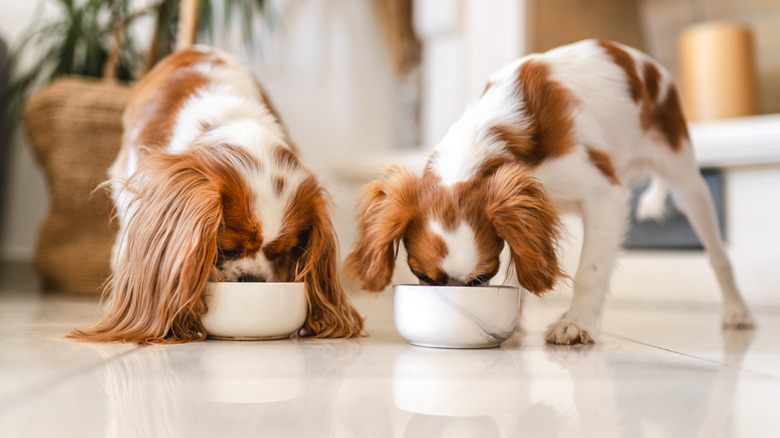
(592, 102)
(189, 93)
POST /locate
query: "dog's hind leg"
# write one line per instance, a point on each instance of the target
(692, 197)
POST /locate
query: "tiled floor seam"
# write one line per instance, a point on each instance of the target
(704, 359)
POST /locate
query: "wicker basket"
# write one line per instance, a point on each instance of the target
(74, 128)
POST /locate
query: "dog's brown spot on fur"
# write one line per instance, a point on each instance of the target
(152, 112)
(427, 249)
(665, 116)
(278, 185)
(515, 137)
(286, 157)
(442, 205)
(603, 163)
(487, 86)
(548, 104)
(489, 165)
(652, 81)
(429, 164)
(160, 113)
(205, 126)
(625, 61)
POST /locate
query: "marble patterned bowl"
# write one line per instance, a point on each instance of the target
(456, 316)
(254, 311)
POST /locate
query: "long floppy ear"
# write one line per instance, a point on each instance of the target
(330, 312)
(167, 252)
(529, 223)
(385, 209)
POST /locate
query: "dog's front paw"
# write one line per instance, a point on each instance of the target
(568, 332)
(737, 318)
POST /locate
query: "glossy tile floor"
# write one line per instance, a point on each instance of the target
(658, 372)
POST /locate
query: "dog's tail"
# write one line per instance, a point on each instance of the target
(652, 201)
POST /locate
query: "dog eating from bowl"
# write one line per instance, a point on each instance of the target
(569, 130)
(209, 187)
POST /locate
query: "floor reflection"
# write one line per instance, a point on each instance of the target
(625, 394)
(347, 388)
(455, 392)
(455, 383)
(719, 419)
(270, 388)
(240, 372)
(147, 393)
(657, 373)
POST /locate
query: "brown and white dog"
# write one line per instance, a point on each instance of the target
(567, 130)
(208, 186)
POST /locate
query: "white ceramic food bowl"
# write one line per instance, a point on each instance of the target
(254, 311)
(456, 316)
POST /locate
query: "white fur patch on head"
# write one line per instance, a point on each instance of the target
(269, 206)
(461, 259)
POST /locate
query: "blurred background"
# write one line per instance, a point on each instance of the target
(366, 83)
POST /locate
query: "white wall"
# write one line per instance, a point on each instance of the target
(330, 77)
(464, 42)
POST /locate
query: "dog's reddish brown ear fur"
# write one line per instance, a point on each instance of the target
(525, 217)
(385, 209)
(330, 312)
(167, 253)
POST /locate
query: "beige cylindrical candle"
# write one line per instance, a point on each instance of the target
(717, 71)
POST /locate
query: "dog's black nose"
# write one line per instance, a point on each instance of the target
(250, 278)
